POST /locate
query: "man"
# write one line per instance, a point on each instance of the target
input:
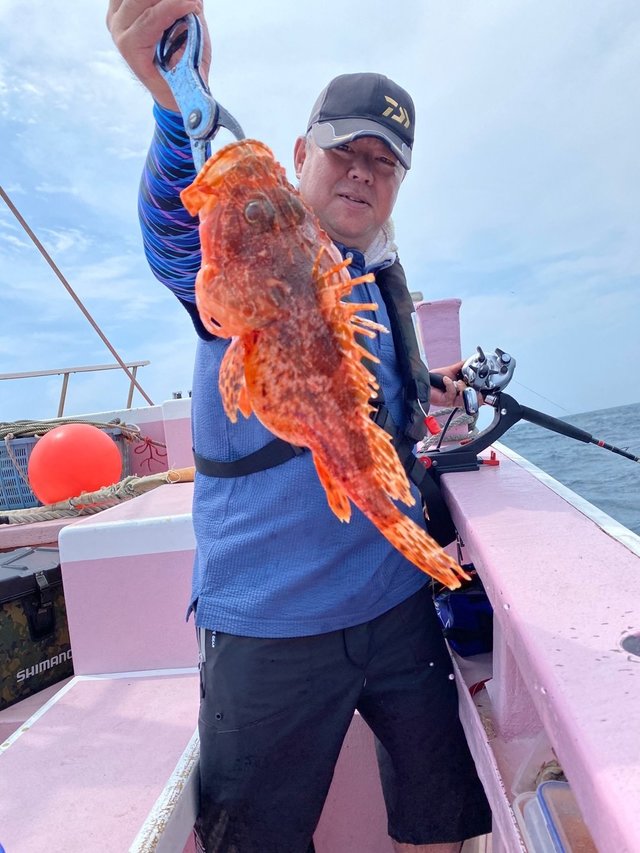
(302, 620)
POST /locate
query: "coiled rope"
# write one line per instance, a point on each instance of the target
(451, 430)
(25, 429)
(89, 503)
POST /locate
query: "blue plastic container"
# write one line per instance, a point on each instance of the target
(14, 492)
(563, 819)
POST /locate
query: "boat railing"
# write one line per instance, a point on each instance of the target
(563, 580)
(66, 372)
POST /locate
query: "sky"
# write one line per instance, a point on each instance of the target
(523, 200)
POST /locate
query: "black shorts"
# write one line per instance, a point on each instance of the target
(274, 713)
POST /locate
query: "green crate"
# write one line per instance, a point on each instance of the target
(35, 650)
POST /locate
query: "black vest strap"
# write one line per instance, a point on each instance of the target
(440, 523)
(272, 454)
(415, 374)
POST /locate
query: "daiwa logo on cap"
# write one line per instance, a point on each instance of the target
(364, 104)
(402, 115)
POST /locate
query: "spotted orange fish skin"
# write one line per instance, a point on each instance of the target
(273, 281)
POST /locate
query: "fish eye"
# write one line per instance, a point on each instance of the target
(259, 211)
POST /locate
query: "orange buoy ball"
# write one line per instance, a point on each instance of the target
(71, 459)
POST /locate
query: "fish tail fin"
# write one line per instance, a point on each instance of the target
(403, 533)
(416, 545)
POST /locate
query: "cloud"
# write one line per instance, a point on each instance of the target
(560, 342)
(522, 200)
(61, 241)
(16, 242)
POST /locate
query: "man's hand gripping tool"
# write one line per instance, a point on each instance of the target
(203, 116)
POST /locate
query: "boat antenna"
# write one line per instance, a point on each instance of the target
(72, 293)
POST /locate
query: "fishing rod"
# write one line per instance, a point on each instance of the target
(487, 376)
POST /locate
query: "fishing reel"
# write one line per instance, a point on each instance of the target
(486, 375)
(489, 375)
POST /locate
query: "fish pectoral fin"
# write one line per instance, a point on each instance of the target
(233, 386)
(336, 496)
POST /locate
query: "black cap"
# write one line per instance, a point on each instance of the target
(367, 104)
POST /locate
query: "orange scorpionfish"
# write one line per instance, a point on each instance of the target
(272, 280)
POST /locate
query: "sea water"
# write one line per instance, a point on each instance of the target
(609, 481)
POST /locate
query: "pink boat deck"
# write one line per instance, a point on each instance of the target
(85, 775)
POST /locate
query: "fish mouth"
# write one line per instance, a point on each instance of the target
(250, 159)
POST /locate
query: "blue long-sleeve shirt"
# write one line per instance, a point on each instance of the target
(272, 560)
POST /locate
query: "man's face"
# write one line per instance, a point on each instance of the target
(352, 189)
